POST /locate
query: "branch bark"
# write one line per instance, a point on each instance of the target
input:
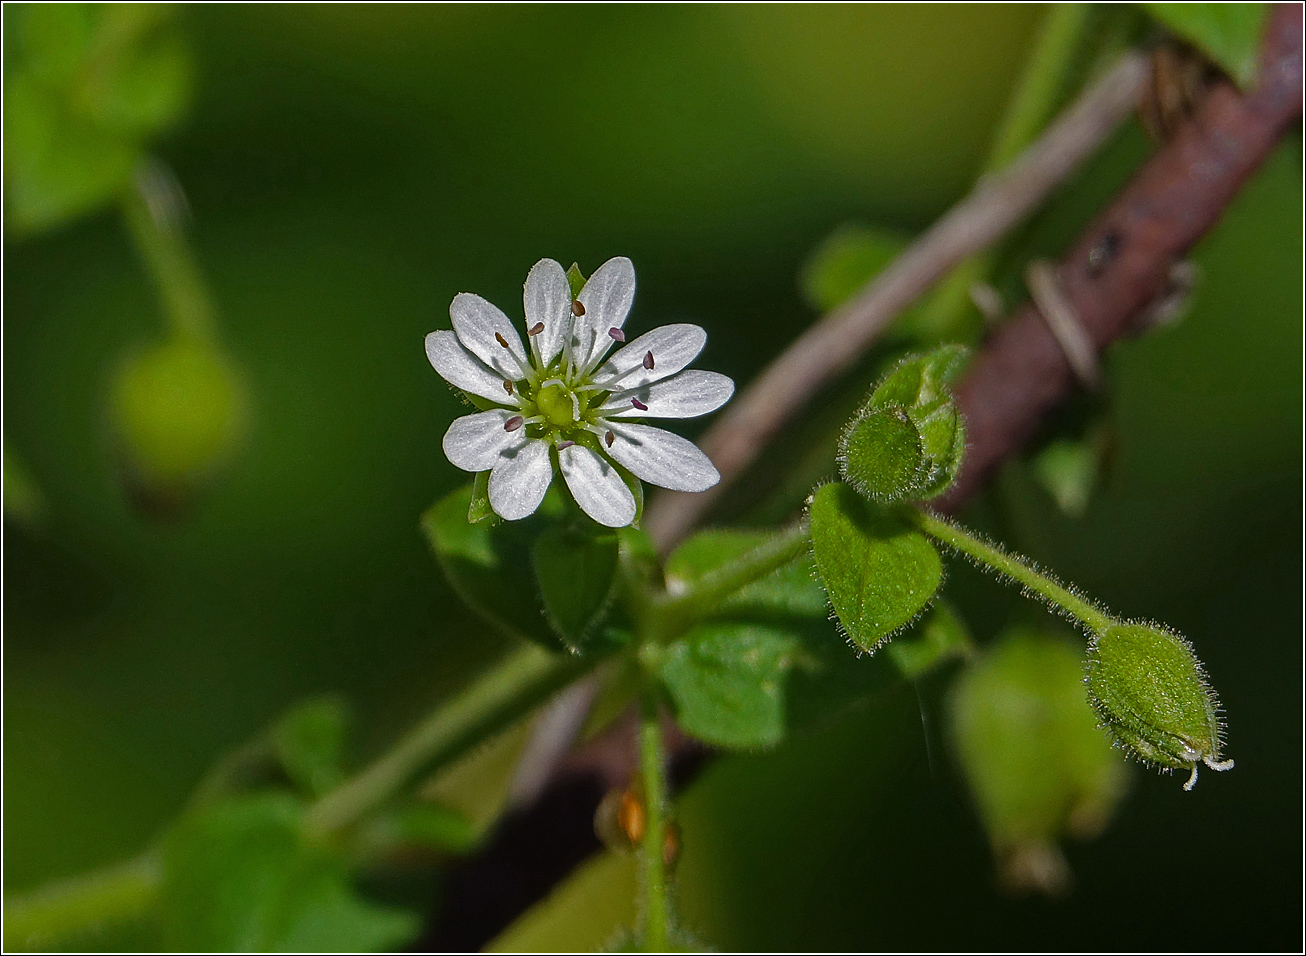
(1122, 261)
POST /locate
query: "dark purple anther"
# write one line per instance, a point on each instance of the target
(609, 438)
(617, 334)
(514, 423)
(576, 308)
(535, 329)
(507, 386)
(638, 404)
(501, 339)
(648, 361)
(565, 444)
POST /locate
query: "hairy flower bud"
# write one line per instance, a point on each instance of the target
(1151, 693)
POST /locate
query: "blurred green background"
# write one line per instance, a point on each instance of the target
(350, 169)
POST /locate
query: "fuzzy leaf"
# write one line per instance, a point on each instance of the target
(489, 564)
(790, 591)
(726, 681)
(1229, 33)
(575, 568)
(878, 571)
(238, 875)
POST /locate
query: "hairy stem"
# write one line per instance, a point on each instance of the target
(653, 874)
(152, 209)
(116, 894)
(1018, 569)
(522, 681)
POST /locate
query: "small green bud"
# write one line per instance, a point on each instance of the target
(1151, 693)
(178, 409)
(907, 442)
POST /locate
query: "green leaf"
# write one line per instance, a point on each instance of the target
(845, 261)
(726, 682)
(489, 564)
(919, 381)
(1032, 752)
(309, 742)
(576, 568)
(942, 636)
(238, 875)
(576, 279)
(790, 591)
(878, 571)
(1229, 33)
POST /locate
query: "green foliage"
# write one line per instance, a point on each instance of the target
(789, 591)
(907, 441)
(239, 875)
(1069, 469)
(309, 742)
(878, 571)
(179, 409)
(23, 500)
(479, 510)
(1229, 33)
(576, 567)
(1036, 762)
(726, 682)
(942, 636)
(490, 564)
(845, 261)
(1151, 693)
(86, 87)
(576, 279)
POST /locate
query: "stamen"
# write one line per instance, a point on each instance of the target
(617, 334)
(535, 329)
(576, 308)
(609, 438)
(565, 444)
(575, 407)
(648, 361)
(501, 339)
(638, 404)
(514, 423)
(507, 386)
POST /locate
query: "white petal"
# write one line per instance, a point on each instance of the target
(673, 347)
(661, 458)
(547, 298)
(460, 368)
(597, 487)
(687, 395)
(606, 297)
(477, 322)
(479, 442)
(519, 481)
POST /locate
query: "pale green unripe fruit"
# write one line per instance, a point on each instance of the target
(178, 409)
(1151, 693)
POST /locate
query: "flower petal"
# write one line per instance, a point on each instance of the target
(519, 481)
(687, 395)
(661, 458)
(478, 323)
(606, 297)
(461, 368)
(597, 487)
(547, 297)
(673, 347)
(479, 442)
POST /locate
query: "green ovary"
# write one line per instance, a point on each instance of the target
(554, 403)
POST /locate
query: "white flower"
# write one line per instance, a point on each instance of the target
(560, 402)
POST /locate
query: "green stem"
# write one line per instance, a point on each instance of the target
(1016, 568)
(116, 894)
(653, 873)
(166, 254)
(670, 616)
(525, 679)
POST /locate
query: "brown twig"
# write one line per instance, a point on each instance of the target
(834, 343)
(1124, 259)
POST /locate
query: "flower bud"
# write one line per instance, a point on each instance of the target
(1151, 693)
(178, 409)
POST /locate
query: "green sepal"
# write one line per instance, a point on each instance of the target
(576, 279)
(239, 875)
(1151, 693)
(479, 509)
(1229, 33)
(576, 568)
(490, 565)
(878, 571)
(881, 454)
(726, 682)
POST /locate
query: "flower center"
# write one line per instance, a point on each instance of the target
(556, 405)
